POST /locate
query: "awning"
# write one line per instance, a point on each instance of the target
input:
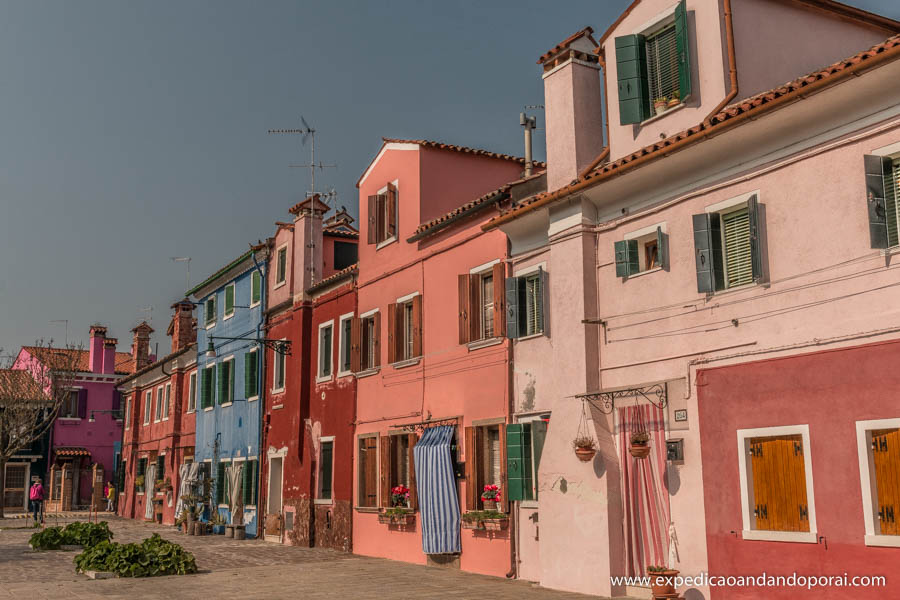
(438, 500)
(72, 451)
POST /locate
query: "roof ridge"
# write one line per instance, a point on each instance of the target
(456, 148)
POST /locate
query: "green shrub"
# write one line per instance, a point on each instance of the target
(153, 556)
(79, 533)
(50, 538)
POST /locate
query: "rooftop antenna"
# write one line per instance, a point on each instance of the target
(306, 132)
(187, 259)
(66, 321)
(149, 311)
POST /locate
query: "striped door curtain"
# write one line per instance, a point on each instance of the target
(644, 490)
(438, 499)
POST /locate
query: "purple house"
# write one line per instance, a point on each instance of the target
(88, 428)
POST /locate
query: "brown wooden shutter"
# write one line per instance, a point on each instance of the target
(463, 308)
(380, 233)
(499, 274)
(371, 233)
(392, 210)
(385, 471)
(393, 330)
(779, 483)
(412, 438)
(504, 480)
(886, 459)
(355, 337)
(471, 483)
(372, 471)
(417, 325)
(376, 319)
(475, 308)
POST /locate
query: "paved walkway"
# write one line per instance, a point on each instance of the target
(243, 569)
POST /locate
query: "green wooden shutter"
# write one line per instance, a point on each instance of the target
(205, 387)
(703, 253)
(631, 72)
(254, 481)
(538, 435)
(325, 469)
(247, 483)
(755, 237)
(255, 287)
(512, 307)
(683, 47)
(229, 299)
(230, 388)
(515, 463)
(220, 483)
(543, 298)
(626, 258)
(223, 382)
(662, 249)
(876, 200)
(249, 379)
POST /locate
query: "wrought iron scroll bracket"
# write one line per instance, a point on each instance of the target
(605, 402)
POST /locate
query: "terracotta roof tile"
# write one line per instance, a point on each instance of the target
(586, 32)
(334, 277)
(337, 232)
(463, 149)
(17, 384)
(755, 104)
(66, 358)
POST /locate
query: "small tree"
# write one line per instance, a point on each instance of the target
(32, 390)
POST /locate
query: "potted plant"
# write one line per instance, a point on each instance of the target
(674, 99)
(218, 524)
(490, 496)
(640, 444)
(139, 483)
(660, 105)
(662, 581)
(397, 515)
(472, 520)
(495, 521)
(400, 496)
(585, 447)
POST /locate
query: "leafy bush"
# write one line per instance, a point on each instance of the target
(153, 556)
(78, 533)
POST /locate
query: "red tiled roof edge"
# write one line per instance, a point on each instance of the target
(462, 149)
(156, 364)
(484, 201)
(728, 117)
(334, 277)
(586, 32)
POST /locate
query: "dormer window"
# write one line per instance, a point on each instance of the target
(653, 68)
(383, 215)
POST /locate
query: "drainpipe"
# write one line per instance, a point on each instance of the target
(732, 62)
(260, 387)
(511, 409)
(604, 154)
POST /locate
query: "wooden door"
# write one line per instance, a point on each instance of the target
(15, 485)
(886, 457)
(779, 483)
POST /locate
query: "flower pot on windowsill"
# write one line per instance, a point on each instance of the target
(673, 103)
(474, 524)
(383, 518)
(489, 504)
(496, 524)
(660, 106)
(662, 583)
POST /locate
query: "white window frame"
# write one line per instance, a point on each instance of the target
(723, 208)
(256, 359)
(321, 377)
(746, 478)
(148, 406)
(646, 232)
(157, 415)
(527, 419)
(192, 391)
(323, 439)
(255, 273)
(278, 369)
(211, 324)
(229, 461)
(230, 383)
(283, 280)
(402, 302)
(867, 480)
(366, 369)
(342, 344)
(167, 402)
(228, 315)
(212, 388)
(393, 238)
(128, 409)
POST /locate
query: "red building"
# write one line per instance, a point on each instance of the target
(160, 402)
(311, 279)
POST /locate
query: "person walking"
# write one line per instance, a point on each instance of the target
(36, 495)
(110, 496)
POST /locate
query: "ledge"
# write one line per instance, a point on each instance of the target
(803, 537)
(887, 541)
(662, 114)
(407, 363)
(368, 373)
(477, 345)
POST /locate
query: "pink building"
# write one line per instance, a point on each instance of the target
(429, 352)
(710, 269)
(88, 428)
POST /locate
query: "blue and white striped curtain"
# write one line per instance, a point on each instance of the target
(438, 500)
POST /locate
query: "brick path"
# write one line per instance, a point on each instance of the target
(243, 569)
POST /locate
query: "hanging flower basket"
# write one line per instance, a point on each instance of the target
(585, 448)
(640, 445)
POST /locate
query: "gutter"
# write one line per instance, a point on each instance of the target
(732, 61)
(709, 129)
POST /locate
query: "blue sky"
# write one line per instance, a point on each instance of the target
(133, 132)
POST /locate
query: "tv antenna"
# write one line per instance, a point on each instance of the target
(66, 321)
(149, 311)
(307, 133)
(187, 259)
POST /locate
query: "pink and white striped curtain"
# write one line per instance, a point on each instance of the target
(644, 492)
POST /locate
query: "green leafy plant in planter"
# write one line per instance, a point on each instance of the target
(154, 556)
(79, 533)
(50, 538)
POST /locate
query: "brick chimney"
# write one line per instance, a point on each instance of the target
(573, 101)
(183, 327)
(140, 346)
(308, 242)
(95, 350)
(109, 355)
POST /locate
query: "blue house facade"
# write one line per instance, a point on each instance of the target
(230, 317)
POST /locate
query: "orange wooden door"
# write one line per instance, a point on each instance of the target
(886, 457)
(779, 483)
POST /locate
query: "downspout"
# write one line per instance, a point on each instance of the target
(604, 154)
(732, 61)
(260, 368)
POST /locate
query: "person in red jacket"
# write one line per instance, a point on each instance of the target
(36, 495)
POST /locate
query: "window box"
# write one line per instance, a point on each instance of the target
(498, 524)
(472, 520)
(397, 516)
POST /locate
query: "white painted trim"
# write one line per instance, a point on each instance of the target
(484, 267)
(478, 344)
(867, 477)
(258, 302)
(320, 378)
(367, 372)
(167, 400)
(657, 22)
(661, 115)
(255, 397)
(646, 231)
(384, 148)
(368, 313)
(386, 242)
(341, 319)
(281, 282)
(574, 61)
(276, 358)
(408, 297)
(648, 271)
(886, 541)
(530, 269)
(748, 533)
(724, 205)
(226, 316)
(891, 150)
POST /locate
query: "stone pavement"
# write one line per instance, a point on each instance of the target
(243, 569)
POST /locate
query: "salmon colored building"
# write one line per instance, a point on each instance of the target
(721, 283)
(160, 404)
(430, 356)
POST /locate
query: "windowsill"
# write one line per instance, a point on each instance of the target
(277, 406)
(226, 317)
(187, 412)
(323, 501)
(485, 343)
(344, 373)
(529, 504)
(278, 390)
(803, 537)
(145, 424)
(368, 372)
(254, 305)
(662, 114)
(735, 289)
(530, 337)
(386, 242)
(69, 419)
(646, 272)
(887, 541)
(224, 404)
(139, 493)
(279, 284)
(409, 362)
(165, 419)
(324, 378)
(367, 509)
(210, 325)
(208, 408)
(253, 399)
